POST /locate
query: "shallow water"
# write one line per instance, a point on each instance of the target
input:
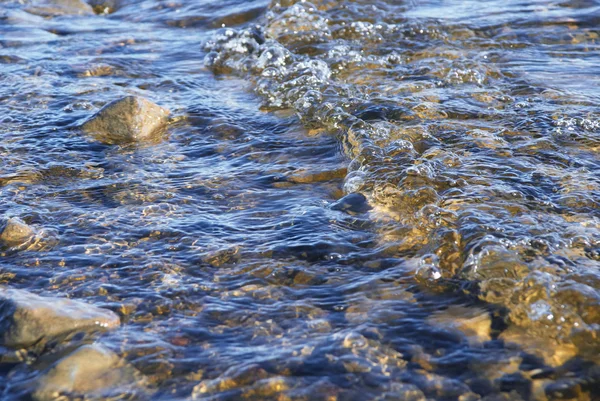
(472, 129)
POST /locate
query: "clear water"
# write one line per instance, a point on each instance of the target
(472, 128)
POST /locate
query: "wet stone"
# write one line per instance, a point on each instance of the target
(127, 120)
(439, 387)
(27, 319)
(474, 323)
(104, 6)
(551, 352)
(52, 8)
(478, 173)
(566, 389)
(220, 257)
(515, 382)
(354, 203)
(14, 233)
(91, 370)
(234, 378)
(509, 396)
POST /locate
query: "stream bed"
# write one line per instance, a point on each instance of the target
(351, 200)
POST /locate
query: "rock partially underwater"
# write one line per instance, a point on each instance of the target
(105, 6)
(473, 323)
(354, 203)
(53, 8)
(57, 8)
(128, 120)
(14, 233)
(26, 318)
(91, 370)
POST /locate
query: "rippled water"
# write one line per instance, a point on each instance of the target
(472, 128)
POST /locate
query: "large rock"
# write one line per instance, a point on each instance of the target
(53, 8)
(26, 318)
(126, 120)
(91, 370)
(14, 233)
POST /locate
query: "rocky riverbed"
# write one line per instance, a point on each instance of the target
(293, 200)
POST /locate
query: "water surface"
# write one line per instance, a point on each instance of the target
(472, 128)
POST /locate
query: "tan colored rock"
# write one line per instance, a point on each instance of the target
(474, 323)
(15, 233)
(130, 119)
(53, 8)
(26, 318)
(89, 370)
(552, 352)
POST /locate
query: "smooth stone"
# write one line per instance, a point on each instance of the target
(52, 8)
(15, 233)
(355, 203)
(473, 323)
(89, 370)
(26, 318)
(130, 119)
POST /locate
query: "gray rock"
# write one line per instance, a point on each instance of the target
(91, 370)
(14, 233)
(26, 318)
(354, 202)
(130, 119)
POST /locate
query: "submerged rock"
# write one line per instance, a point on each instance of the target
(91, 370)
(474, 323)
(14, 233)
(26, 318)
(551, 352)
(234, 378)
(130, 119)
(355, 203)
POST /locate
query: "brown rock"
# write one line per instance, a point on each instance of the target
(53, 8)
(104, 6)
(89, 370)
(474, 323)
(15, 233)
(130, 119)
(552, 352)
